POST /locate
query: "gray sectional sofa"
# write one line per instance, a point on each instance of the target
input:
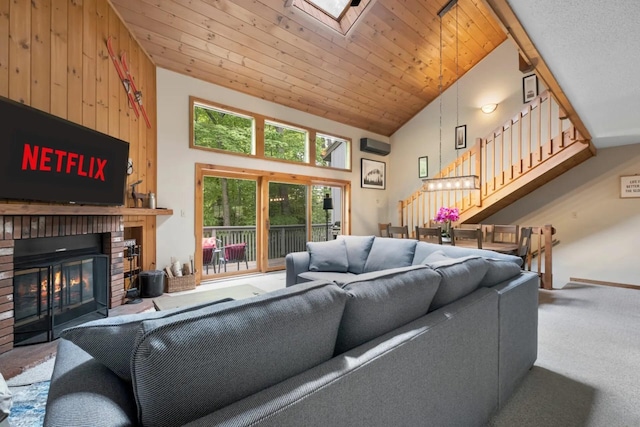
(433, 342)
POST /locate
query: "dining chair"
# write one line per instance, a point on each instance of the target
(504, 233)
(524, 247)
(398, 231)
(466, 234)
(429, 234)
(383, 229)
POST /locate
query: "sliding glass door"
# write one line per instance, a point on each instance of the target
(249, 220)
(287, 224)
(229, 232)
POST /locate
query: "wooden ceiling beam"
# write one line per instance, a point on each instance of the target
(514, 29)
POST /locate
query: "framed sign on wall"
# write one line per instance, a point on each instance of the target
(630, 186)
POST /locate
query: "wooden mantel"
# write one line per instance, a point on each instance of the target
(34, 209)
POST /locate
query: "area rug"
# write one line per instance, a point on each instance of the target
(29, 404)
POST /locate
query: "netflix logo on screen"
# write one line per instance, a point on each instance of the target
(45, 158)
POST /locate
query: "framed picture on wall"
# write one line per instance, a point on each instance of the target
(461, 137)
(529, 87)
(372, 174)
(423, 167)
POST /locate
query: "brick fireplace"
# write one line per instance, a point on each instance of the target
(20, 227)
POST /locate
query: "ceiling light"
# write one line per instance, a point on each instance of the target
(489, 108)
(449, 183)
(465, 182)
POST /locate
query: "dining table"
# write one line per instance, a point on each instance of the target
(501, 247)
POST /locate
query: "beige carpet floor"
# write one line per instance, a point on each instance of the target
(588, 367)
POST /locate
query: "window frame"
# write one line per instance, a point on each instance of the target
(258, 140)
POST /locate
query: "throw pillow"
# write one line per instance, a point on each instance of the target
(193, 364)
(460, 276)
(358, 248)
(388, 253)
(328, 256)
(110, 340)
(384, 300)
(499, 270)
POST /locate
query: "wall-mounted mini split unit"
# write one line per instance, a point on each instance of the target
(372, 146)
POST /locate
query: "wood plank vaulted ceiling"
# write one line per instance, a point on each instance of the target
(376, 77)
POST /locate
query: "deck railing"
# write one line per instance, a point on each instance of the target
(530, 138)
(282, 238)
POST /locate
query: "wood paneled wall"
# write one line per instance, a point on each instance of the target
(53, 57)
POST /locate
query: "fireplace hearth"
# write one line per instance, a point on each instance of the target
(58, 282)
(30, 242)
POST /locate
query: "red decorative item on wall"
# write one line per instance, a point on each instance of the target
(135, 96)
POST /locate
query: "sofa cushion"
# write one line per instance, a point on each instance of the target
(331, 276)
(384, 300)
(110, 340)
(459, 252)
(187, 366)
(423, 250)
(388, 253)
(499, 270)
(358, 248)
(328, 256)
(460, 276)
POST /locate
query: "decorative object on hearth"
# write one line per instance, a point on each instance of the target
(447, 183)
(142, 197)
(446, 216)
(151, 200)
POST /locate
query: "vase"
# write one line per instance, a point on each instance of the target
(446, 229)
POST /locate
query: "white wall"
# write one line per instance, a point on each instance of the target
(595, 227)
(495, 79)
(176, 162)
(597, 230)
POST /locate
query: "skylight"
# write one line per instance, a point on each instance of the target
(340, 15)
(334, 8)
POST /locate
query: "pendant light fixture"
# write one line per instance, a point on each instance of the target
(465, 182)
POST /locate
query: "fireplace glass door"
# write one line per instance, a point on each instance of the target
(50, 298)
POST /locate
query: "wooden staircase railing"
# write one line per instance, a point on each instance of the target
(536, 145)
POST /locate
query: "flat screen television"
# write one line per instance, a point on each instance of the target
(46, 158)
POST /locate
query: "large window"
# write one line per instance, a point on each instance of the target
(332, 151)
(222, 130)
(285, 142)
(234, 131)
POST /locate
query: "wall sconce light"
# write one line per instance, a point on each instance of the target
(489, 108)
